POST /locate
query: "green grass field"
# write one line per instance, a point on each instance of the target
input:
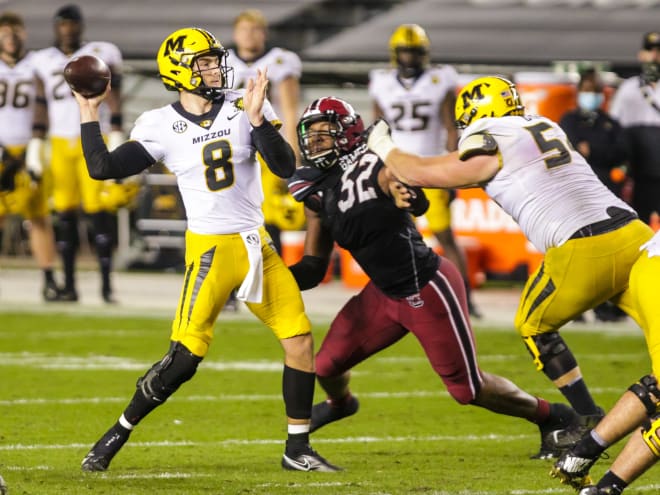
(64, 379)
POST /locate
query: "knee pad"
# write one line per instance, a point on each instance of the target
(651, 437)
(166, 376)
(646, 390)
(548, 347)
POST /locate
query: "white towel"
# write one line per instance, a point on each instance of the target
(251, 290)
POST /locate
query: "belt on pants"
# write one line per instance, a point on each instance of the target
(618, 220)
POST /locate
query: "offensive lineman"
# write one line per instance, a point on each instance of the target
(20, 194)
(417, 100)
(590, 237)
(348, 193)
(209, 139)
(637, 412)
(57, 115)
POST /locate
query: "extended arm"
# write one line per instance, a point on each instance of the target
(445, 171)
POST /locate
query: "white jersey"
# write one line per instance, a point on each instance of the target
(413, 110)
(17, 101)
(63, 112)
(653, 246)
(214, 163)
(281, 65)
(544, 184)
(635, 105)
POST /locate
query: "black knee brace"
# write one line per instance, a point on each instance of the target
(551, 354)
(167, 375)
(646, 390)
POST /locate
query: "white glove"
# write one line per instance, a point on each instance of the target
(379, 140)
(115, 138)
(34, 157)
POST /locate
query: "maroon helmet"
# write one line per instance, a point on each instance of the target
(345, 130)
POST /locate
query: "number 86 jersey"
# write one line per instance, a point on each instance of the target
(546, 186)
(214, 160)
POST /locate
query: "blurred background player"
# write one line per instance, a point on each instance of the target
(590, 238)
(599, 138)
(636, 105)
(57, 115)
(20, 194)
(249, 54)
(417, 100)
(226, 245)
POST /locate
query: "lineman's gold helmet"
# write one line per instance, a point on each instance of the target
(491, 96)
(176, 62)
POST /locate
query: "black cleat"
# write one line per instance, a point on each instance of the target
(594, 490)
(573, 470)
(324, 412)
(68, 295)
(51, 292)
(566, 438)
(3, 486)
(106, 295)
(561, 418)
(308, 460)
(98, 459)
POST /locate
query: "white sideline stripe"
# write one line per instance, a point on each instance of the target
(249, 397)
(269, 441)
(114, 363)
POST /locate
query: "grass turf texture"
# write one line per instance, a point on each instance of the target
(64, 379)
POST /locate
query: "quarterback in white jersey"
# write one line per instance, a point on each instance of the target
(590, 238)
(209, 139)
(20, 194)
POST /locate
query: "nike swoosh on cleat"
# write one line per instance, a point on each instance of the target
(302, 466)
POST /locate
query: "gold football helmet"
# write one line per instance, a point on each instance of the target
(409, 38)
(176, 62)
(490, 96)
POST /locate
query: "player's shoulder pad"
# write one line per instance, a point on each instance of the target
(477, 144)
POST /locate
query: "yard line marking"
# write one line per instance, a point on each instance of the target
(410, 394)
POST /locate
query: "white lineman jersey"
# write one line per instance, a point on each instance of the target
(63, 112)
(17, 96)
(214, 162)
(281, 64)
(544, 184)
(413, 112)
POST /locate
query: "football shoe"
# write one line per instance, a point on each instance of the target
(573, 469)
(593, 490)
(99, 457)
(3, 486)
(564, 439)
(561, 417)
(51, 292)
(308, 460)
(325, 412)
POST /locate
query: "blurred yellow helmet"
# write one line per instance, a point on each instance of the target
(411, 38)
(490, 96)
(176, 62)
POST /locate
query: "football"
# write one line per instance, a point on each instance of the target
(87, 75)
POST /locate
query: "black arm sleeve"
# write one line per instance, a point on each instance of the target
(128, 159)
(309, 271)
(274, 149)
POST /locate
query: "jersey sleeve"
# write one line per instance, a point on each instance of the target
(146, 133)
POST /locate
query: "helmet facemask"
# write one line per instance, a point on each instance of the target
(411, 61)
(319, 145)
(226, 73)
